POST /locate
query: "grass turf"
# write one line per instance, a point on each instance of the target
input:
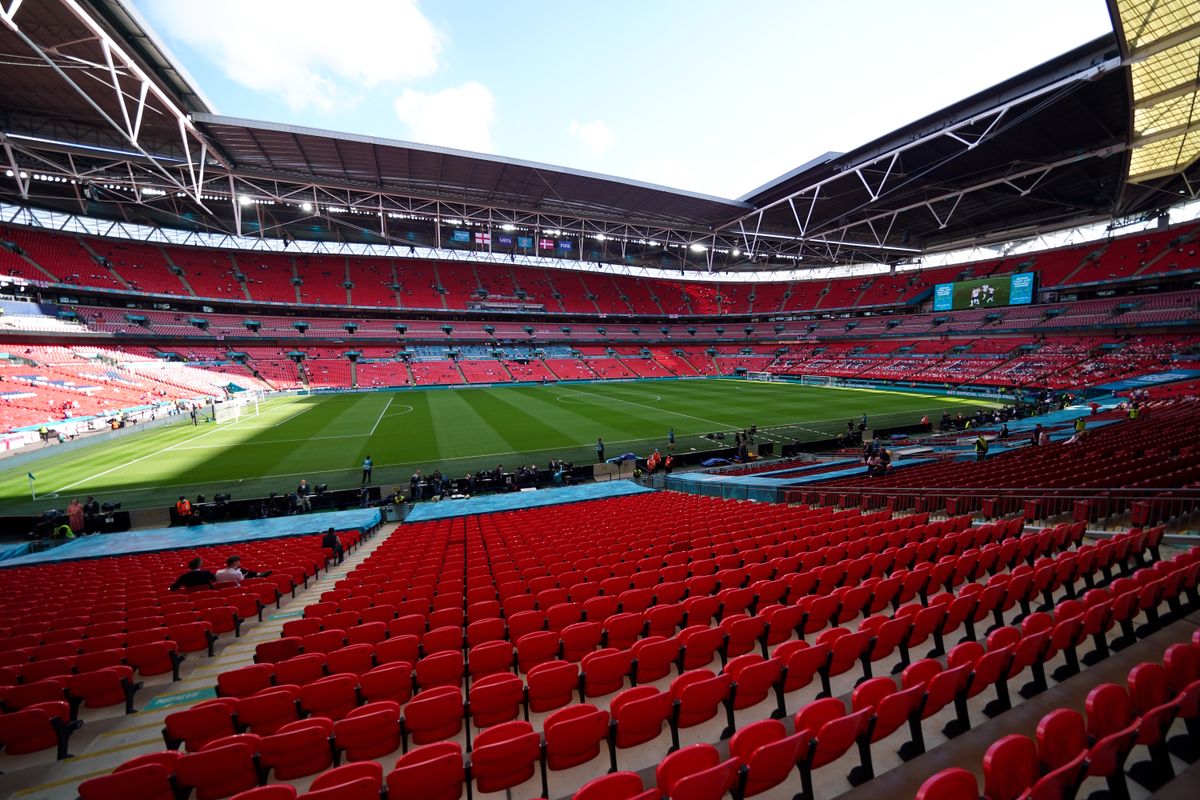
(324, 438)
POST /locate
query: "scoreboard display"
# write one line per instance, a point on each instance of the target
(1015, 289)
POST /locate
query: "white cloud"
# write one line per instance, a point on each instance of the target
(595, 135)
(311, 53)
(460, 116)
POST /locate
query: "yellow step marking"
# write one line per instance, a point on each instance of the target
(132, 728)
(118, 748)
(60, 782)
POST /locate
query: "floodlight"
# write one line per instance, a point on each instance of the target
(736, 252)
(698, 248)
(307, 207)
(244, 200)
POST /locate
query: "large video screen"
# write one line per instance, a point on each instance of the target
(1015, 289)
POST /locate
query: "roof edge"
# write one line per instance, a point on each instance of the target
(135, 31)
(1074, 61)
(217, 119)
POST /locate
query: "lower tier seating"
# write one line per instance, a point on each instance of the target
(533, 651)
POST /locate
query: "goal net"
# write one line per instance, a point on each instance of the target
(236, 406)
(818, 380)
(766, 377)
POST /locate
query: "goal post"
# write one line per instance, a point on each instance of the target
(236, 406)
(764, 377)
(817, 380)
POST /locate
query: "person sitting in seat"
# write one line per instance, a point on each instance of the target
(330, 541)
(233, 571)
(195, 577)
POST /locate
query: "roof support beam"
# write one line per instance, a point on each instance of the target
(1165, 43)
(22, 178)
(876, 191)
(117, 69)
(1041, 169)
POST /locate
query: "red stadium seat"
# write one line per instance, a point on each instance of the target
(370, 731)
(298, 749)
(616, 786)
(268, 711)
(696, 773)
(1010, 768)
(768, 753)
(504, 756)
(39, 726)
(218, 772)
(195, 727)
(245, 681)
(433, 772)
(496, 699)
(434, 715)
(143, 782)
(332, 697)
(573, 736)
(950, 784)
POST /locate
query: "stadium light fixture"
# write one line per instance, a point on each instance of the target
(244, 200)
(735, 252)
(507, 227)
(306, 207)
(697, 247)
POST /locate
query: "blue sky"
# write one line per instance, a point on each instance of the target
(709, 96)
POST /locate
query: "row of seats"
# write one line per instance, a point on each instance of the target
(1069, 746)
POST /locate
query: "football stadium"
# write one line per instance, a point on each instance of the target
(350, 449)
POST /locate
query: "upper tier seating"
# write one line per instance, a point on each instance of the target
(452, 285)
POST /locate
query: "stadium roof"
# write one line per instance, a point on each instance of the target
(97, 118)
(1161, 42)
(267, 149)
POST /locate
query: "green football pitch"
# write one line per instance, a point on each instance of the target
(324, 437)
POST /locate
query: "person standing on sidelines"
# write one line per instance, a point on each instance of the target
(367, 466)
(75, 516)
(600, 451)
(671, 439)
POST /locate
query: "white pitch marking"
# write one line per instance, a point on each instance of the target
(723, 425)
(381, 413)
(167, 449)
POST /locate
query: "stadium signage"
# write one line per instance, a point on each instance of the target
(993, 292)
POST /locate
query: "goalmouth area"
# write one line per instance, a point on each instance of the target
(325, 437)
